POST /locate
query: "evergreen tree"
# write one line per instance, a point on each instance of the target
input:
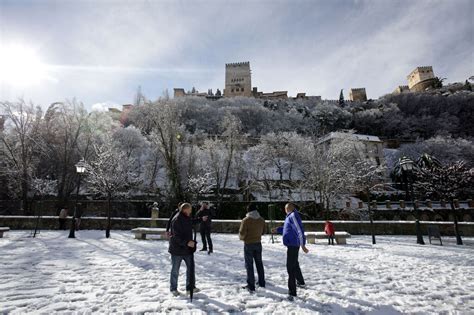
(341, 98)
(468, 86)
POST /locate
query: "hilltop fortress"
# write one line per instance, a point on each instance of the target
(238, 82)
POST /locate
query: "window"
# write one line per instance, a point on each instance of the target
(232, 90)
(242, 89)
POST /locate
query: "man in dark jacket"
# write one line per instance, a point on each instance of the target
(293, 239)
(181, 247)
(205, 227)
(251, 230)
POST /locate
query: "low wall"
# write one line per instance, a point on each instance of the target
(232, 226)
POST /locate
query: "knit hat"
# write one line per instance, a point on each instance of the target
(252, 207)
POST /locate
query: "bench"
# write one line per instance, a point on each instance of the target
(433, 232)
(2, 230)
(141, 232)
(339, 236)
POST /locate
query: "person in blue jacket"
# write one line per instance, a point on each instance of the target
(293, 239)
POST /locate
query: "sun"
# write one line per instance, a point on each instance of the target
(21, 66)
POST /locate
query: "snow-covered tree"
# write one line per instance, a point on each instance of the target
(161, 122)
(109, 174)
(445, 148)
(20, 146)
(367, 175)
(446, 182)
(64, 127)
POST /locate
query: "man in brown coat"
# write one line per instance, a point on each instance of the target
(251, 230)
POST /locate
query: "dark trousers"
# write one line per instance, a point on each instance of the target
(175, 264)
(206, 237)
(293, 268)
(330, 239)
(253, 252)
(62, 224)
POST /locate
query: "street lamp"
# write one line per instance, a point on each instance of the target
(407, 166)
(80, 169)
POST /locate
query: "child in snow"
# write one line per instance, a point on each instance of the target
(329, 230)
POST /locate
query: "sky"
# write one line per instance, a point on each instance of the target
(100, 52)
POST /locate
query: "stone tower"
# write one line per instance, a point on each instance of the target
(358, 94)
(421, 78)
(238, 79)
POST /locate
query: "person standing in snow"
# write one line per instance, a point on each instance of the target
(205, 227)
(181, 247)
(330, 232)
(251, 230)
(293, 239)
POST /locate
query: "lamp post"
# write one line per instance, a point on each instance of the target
(80, 169)
(407, 167)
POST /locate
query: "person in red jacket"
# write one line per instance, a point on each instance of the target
(329, 230)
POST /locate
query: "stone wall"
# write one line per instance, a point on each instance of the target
(232, 226)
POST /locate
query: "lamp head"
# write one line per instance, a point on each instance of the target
(81, 166)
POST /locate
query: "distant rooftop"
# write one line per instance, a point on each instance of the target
(340, 135)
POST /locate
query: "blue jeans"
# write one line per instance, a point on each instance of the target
(254, 252)
(175, 264)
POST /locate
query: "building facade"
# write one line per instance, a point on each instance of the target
(238, 79)
(371, 146)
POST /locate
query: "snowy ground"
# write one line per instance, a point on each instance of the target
(92, 274)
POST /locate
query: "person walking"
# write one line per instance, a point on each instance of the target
(205, 227)
(182, 247)
(251, 230)
(293, 239)
(330, 231)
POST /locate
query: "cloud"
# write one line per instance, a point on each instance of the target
(105, 50)
(104, 106)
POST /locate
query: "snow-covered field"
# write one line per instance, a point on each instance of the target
(52, 273)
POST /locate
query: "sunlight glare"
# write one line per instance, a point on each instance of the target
(21, 66)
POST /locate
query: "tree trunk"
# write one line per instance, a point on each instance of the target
(107, 230)
(370, 217)
(456, 227)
